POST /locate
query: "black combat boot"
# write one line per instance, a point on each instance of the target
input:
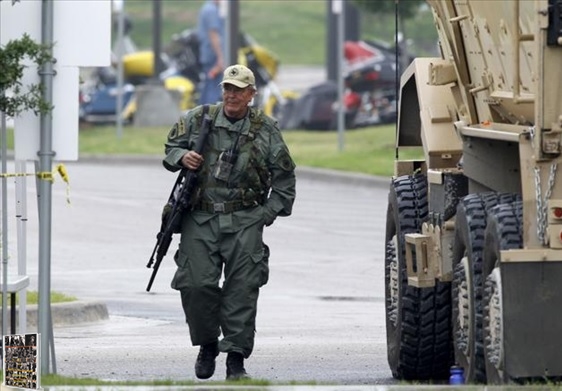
(205, 364)
(235, 367)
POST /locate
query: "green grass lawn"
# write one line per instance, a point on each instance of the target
(56, 297)
(367, 150)
(294, 30)
(56, 380)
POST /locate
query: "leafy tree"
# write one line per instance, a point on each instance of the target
(12, 64)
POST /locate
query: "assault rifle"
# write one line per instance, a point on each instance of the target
(179, 202)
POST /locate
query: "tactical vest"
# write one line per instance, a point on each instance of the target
(254, 178)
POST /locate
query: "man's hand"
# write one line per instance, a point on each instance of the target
(192, 160)
(214, 71)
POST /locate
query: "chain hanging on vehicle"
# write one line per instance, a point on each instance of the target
(542, 204)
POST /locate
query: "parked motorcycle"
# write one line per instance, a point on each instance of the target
(370, 78)
(180, 73)
(265, 66)
(369, 96)
(183, 73)
(98, 95)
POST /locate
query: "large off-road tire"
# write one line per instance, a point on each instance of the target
(503, 232)
(471, 220)
(418, 325)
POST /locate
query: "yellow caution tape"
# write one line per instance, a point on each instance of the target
(61, 169)
(47, 176)
(7, 175)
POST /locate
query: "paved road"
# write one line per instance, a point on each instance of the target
(321, 316)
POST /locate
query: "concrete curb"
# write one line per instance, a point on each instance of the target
(70, 313)
(334, 176)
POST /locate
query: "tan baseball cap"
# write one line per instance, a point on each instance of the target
(238, 75)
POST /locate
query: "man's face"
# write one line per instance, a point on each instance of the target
(236, 99)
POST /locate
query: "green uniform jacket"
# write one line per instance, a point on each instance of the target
(263, 173)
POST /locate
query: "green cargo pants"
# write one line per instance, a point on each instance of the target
(211, 243)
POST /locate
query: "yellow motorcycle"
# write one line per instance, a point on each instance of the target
(183, 72)
(265, 65)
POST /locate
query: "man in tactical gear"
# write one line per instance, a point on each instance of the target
(246, 179)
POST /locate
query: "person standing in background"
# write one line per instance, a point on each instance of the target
(210, 29)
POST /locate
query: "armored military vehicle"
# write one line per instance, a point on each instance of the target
(473, 253)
